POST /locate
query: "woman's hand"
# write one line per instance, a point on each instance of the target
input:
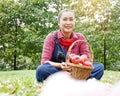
(65, 67)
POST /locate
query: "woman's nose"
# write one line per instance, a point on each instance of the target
(68, 22)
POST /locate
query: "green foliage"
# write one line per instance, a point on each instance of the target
(25, 23)
(99, 20)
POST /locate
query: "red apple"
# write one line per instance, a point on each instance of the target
(75, 59)
(87, 63)
(83, 58)
(71, 57)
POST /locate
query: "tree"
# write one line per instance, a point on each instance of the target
(99, 21)
(24, 25)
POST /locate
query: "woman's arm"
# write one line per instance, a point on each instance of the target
(62, 65)
(48, 48)
(84, 47)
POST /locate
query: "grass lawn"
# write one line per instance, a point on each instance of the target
(19, 83)
(23, 83)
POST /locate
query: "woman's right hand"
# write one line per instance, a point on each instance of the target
(63, 66)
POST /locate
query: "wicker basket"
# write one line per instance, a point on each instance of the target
(79, 71)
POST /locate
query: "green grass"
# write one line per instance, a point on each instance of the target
(23, 83)
(111, 77)
(19, 83)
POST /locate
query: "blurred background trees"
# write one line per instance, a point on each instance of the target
(25, 23)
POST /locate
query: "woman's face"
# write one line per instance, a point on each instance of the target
(67, 22)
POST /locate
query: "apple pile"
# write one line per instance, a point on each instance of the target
(82, 60)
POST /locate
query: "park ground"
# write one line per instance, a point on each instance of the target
(23, 82)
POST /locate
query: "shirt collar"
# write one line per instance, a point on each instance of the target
(60, 35)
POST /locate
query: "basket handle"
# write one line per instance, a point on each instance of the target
(69, 49)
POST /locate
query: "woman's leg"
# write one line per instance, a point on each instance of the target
(97, 71)
(44, 70)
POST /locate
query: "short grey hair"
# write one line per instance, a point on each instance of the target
(65, 10)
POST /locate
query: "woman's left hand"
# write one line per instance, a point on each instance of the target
(65, 67)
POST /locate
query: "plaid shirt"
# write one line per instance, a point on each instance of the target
(78, 48)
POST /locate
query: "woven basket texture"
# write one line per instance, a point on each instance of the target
(78, 71)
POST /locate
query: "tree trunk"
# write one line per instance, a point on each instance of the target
(15, 45)
(105, 53)
(15, 58)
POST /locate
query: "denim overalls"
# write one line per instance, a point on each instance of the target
(59, 54)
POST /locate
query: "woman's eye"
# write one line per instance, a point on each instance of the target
(67, 19)
(71, 19)
(64, 19)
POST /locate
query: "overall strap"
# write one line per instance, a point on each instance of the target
(59, 52)
(56, 41)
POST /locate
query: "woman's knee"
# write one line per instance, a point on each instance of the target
(44, 70)
(99, 66)
(98, 70)
(39, 72)
(40, 69)
(101, 69)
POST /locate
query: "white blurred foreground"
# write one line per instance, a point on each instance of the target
(61, 84)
